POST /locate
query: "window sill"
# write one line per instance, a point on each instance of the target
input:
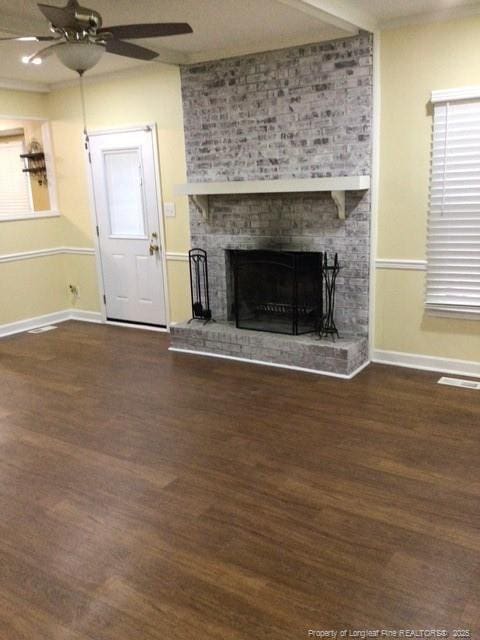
(453, 312)
(30, 216)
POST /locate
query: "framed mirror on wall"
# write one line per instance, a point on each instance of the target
(27, 177)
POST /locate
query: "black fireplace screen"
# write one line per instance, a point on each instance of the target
(278, 291)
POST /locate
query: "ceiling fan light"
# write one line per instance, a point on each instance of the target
(30, 60)
(79, 56)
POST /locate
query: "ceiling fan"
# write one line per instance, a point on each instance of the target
(80, 40)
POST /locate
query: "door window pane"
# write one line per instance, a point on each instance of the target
(123, 178)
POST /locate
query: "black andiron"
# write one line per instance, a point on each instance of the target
(199, 285)
(330, 273)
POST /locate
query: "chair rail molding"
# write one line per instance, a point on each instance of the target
(177, 256)
(42, 253)
(401, 264)
(30, 216)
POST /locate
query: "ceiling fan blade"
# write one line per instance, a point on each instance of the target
(63, 17)
(15, 26)
(129, 50)
(45, 53)
(154, 30)
(30, 38)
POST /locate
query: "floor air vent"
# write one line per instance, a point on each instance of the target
(50, 327)
(458, 382)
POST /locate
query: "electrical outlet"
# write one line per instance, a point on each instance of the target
(74, 290)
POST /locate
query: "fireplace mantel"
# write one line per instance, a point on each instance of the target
(200, 191)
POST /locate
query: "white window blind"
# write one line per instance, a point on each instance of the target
(15, 194)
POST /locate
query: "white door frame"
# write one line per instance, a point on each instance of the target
(161, 222)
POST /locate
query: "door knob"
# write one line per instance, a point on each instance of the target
(154, 248)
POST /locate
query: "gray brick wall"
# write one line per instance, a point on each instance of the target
(301, 112)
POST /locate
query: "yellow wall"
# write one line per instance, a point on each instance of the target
(415, 61)
(38, 286)
(22, 104)
(152, 95)
(30, 287)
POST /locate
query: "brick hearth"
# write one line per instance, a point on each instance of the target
(342, 357)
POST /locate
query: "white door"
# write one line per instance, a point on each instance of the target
(123, 175)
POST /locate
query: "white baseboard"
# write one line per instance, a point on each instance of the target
(427, 363)
(68, 314)
(50, 318)
(342, 376)
(33, 323)
(86, 316)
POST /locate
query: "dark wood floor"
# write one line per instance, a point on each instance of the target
(149, 495)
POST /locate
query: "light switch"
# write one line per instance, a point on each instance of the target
(169, 209)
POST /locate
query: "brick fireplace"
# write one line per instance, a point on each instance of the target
(300, 113)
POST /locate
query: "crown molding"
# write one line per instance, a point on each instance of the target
(24, 85)
(442, 15)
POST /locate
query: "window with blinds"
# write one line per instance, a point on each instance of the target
(453, 253)
(15, 193)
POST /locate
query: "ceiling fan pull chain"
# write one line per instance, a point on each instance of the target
(84, 111)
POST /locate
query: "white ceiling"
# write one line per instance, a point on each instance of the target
(222, 28)
(217, 24)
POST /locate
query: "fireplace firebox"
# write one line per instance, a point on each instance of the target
(278, 291)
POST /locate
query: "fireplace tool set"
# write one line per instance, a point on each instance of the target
(330, 273)
(197, 259)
